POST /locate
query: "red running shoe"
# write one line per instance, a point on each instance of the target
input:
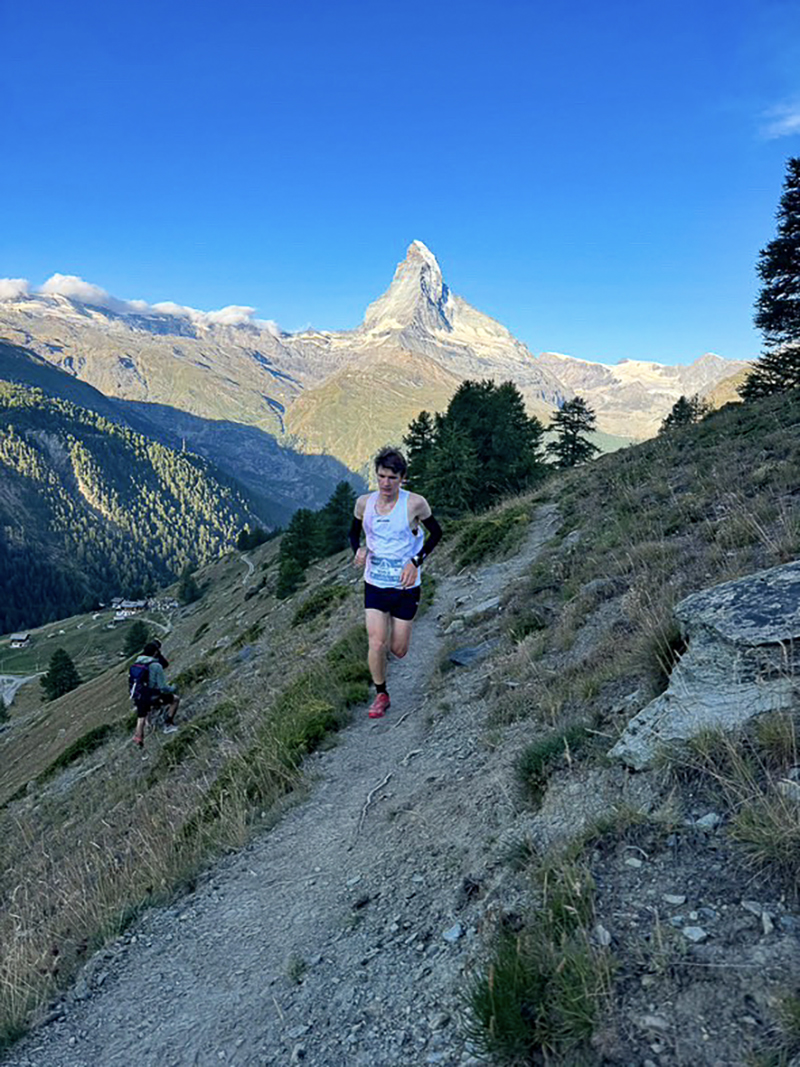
(379, 706)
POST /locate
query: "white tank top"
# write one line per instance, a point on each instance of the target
(390, 542)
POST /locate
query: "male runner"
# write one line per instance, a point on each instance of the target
(392, 558)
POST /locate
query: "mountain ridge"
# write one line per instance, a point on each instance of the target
(229, 366)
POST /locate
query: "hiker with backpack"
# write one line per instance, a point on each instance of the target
(149, 689)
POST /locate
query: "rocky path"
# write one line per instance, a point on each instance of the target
(10, 683)
(250, 568)
(341, 937)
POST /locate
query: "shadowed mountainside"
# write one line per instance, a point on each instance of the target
(278, 478)
(89, 508)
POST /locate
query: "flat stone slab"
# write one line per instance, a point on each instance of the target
(464, 657)
(760, 609)
(477, 611)
(742, 660)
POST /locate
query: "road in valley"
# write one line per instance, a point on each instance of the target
(10, 683)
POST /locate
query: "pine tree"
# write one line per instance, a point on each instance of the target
(249, 539)
(453, 471)
(62, 677)
(487, 429)
(684, 412)
(3, 710)
(570, 423)
(778, 304)
(302, 538)
(290, 575)
(335, 519)
(419, 443)
(136, 638)
(188, 589)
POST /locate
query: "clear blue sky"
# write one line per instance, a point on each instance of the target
(597, 176)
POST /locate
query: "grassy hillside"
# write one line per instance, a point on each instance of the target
(589, 625)
(258, 692)
(89, 509)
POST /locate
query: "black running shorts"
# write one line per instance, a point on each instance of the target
(399, 603)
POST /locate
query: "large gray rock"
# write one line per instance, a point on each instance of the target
(742, 660)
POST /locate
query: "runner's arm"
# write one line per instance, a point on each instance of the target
(431, 541)
(356, 526)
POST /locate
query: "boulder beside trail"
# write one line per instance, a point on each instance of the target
(742, 660)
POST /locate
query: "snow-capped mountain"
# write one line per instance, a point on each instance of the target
(632, 397)
(344, 393)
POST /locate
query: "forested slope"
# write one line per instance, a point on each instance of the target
(89, 508)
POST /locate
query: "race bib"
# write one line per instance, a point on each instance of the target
(385, 571)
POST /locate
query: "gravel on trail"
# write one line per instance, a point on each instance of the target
(341, 936)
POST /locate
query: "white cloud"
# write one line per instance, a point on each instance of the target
(14, 288)
(75, 288)
(232, 315)
(782, 121)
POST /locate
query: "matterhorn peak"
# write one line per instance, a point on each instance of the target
(417, 297)
(419, 251)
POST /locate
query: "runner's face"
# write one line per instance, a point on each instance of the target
(388, 483)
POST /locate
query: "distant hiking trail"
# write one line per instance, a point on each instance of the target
(339, 937)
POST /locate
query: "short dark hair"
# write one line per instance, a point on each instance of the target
(151, 649)
(392, 460)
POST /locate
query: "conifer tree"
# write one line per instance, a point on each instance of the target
(335, 519)
(188, 589)
(419, 442)
(452, 471)
(574, 419)
(301, 540)
(778, 304)
(61, 677)
(684, 412)
(485, 441)
(290, 575)
(249, 539)
(3, 710)
(136, 638)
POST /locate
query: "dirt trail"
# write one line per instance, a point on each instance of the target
(10, 683)
(341, 936)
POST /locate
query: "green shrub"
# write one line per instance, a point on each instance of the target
(320, 602)
(542, 991)
(776, 739)
(198, 672)
(180, 745)
(491, 536)
(294, 724)
(90, 741)
(538, 761)
(248, 636)
(136, 638)
(768, 829)
(427, 594)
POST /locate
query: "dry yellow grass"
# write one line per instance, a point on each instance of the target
(85, 848)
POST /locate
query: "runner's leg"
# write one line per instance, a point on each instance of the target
(172, 709)
(400, 636)
(378, 626)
